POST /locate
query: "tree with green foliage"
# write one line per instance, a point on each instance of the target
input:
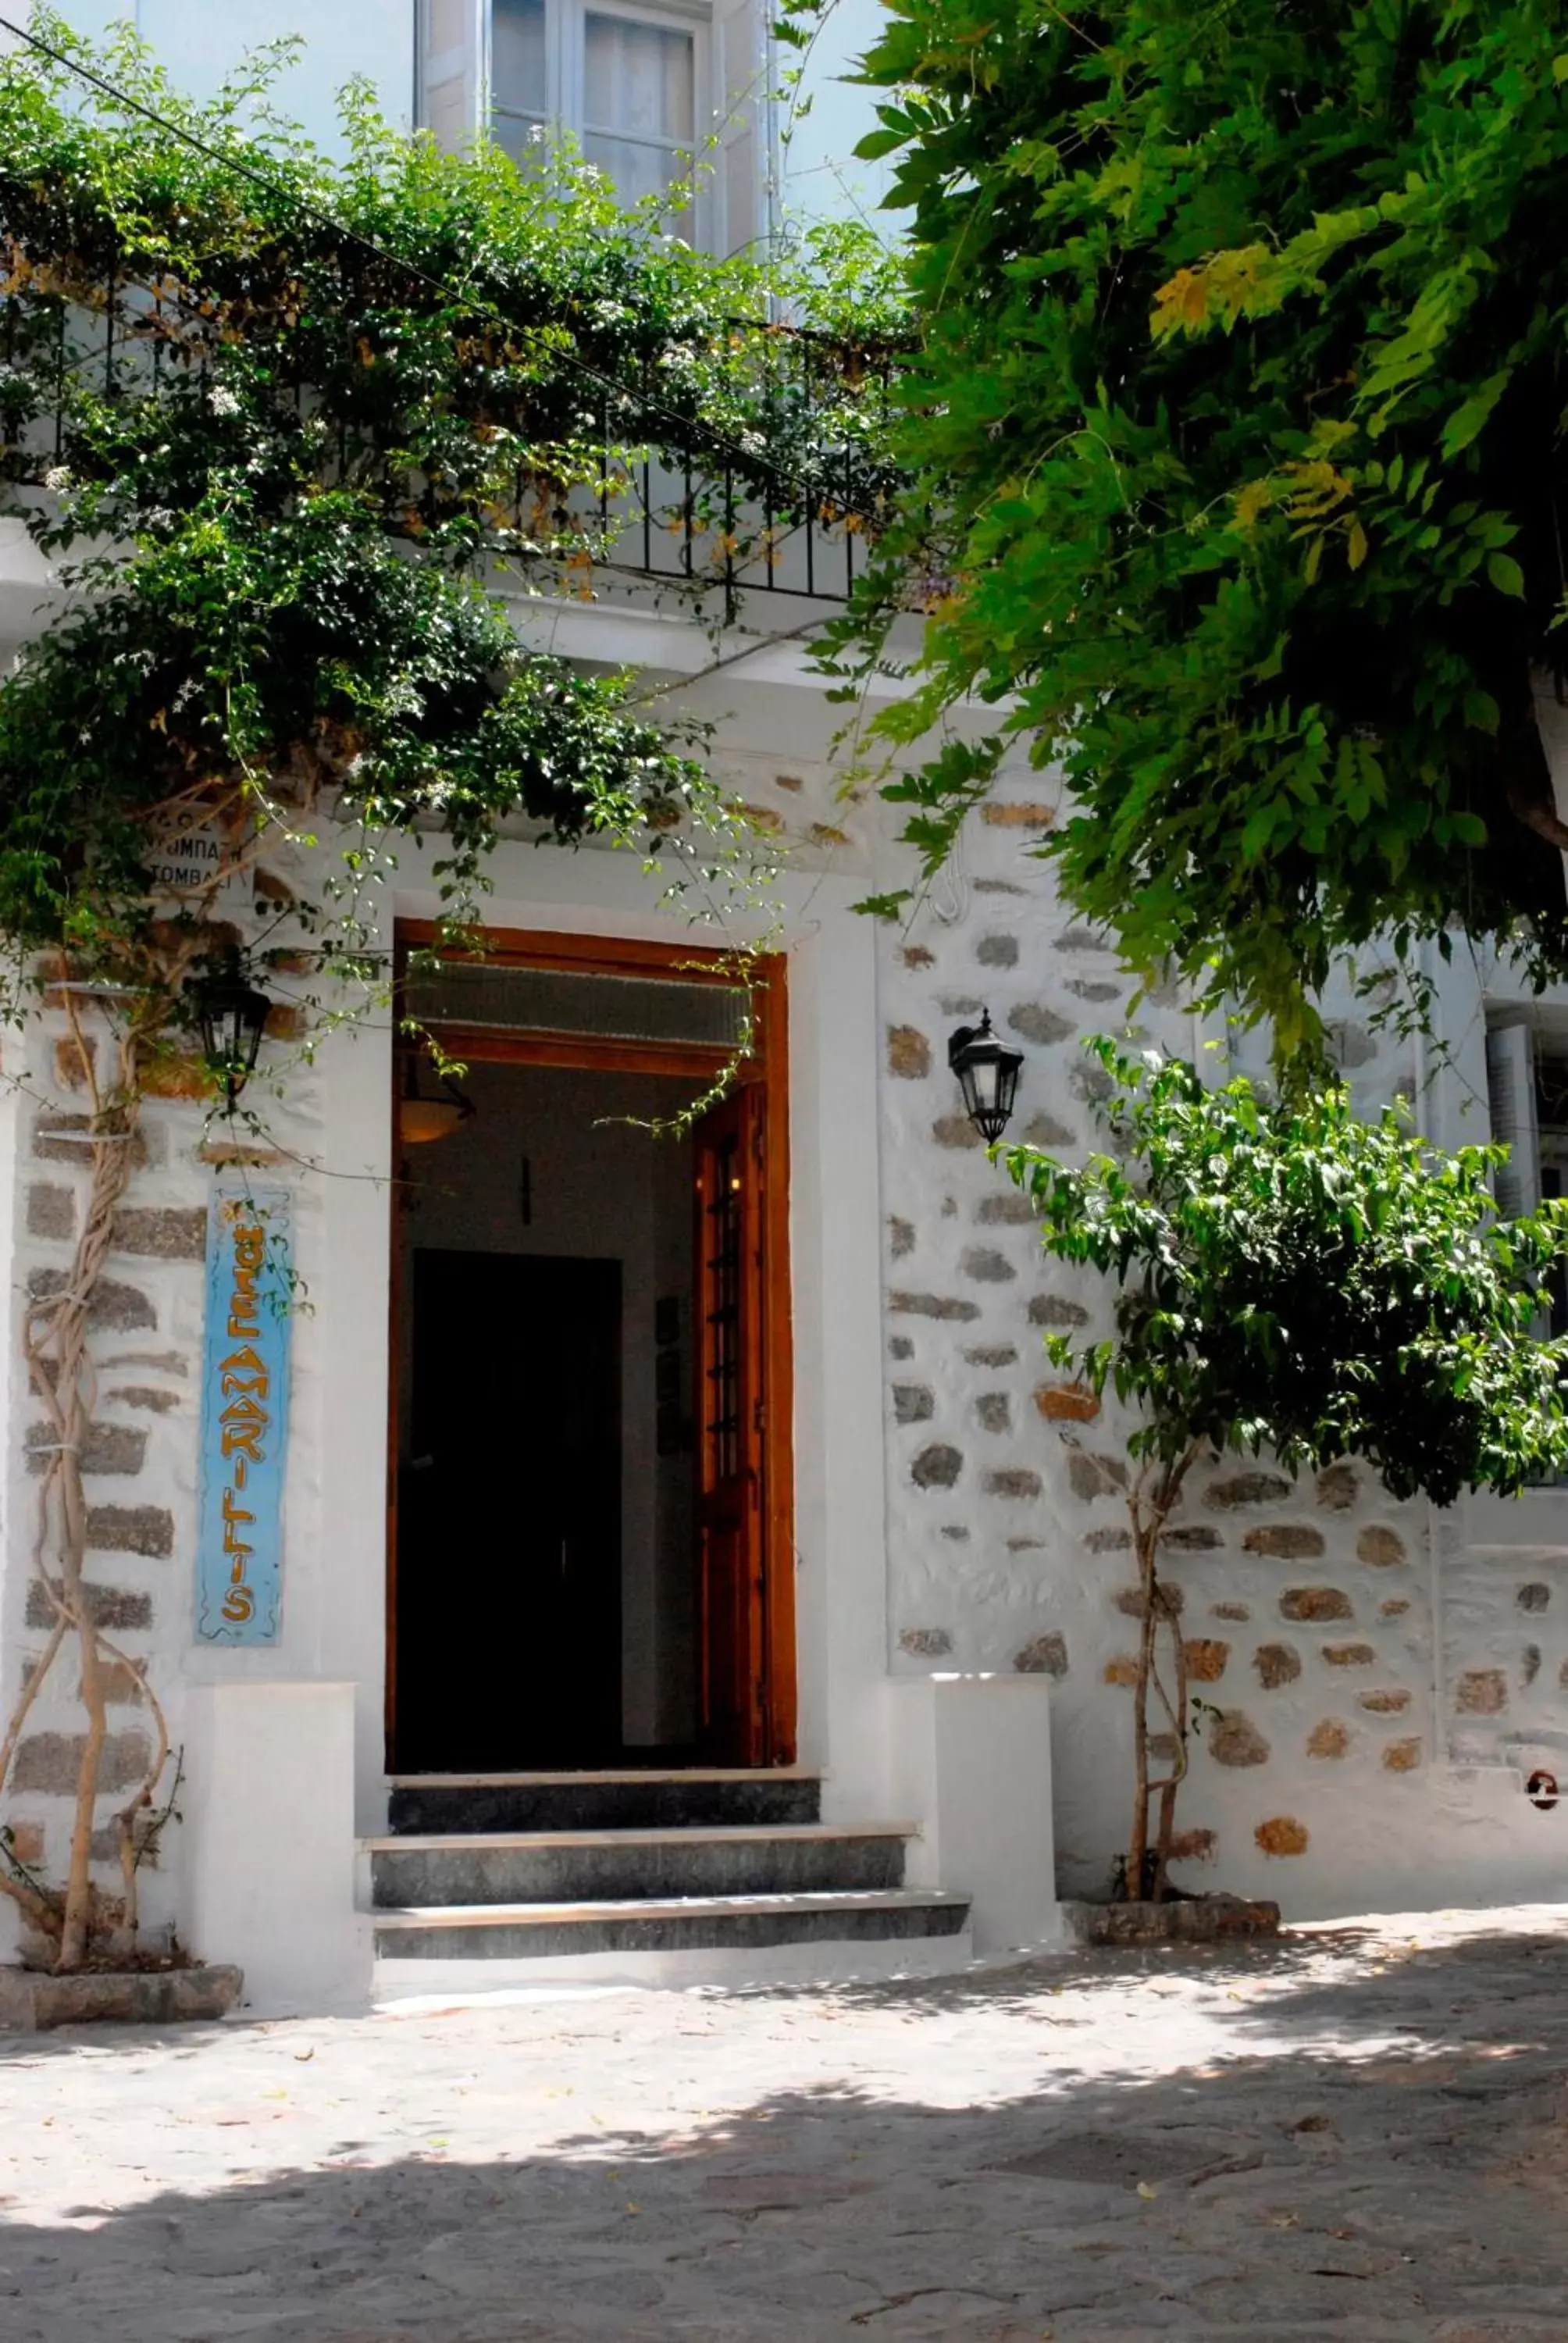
(291, 431)
(1293, 1282)
(1238, 463)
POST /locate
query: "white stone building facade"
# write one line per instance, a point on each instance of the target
(949, 1571)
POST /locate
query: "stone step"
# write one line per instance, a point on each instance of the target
(623, 1866)
(510, 1932)
(635, 1798)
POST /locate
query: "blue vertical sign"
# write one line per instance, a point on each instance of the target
(244, 1417)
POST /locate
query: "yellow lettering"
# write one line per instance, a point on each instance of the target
(244, 1440)
(237, 1604)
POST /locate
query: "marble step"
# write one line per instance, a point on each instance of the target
(623, 1866)
(511, 1932)
(431, 1805)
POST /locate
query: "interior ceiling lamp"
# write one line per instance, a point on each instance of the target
(988, 1075)
(421, 1118)
(231, 1016)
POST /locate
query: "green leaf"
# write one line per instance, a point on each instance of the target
(1505, 573)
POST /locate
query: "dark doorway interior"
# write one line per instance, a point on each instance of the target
(509, 1515)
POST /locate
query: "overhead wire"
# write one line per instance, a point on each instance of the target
(275, 185)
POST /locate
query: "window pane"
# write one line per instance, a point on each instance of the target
(517, 56)
(635, 170)
(639, 79)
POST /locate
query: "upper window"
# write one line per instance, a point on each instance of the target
(643, 85)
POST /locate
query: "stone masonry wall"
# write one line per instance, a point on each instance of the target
(141, 1464)
(1306, 1607)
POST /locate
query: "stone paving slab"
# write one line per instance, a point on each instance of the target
(1358, 2134)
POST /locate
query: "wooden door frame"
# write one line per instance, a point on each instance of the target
(768, 1064)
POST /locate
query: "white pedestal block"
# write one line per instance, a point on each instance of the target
(269, 1846)
(971, 1763)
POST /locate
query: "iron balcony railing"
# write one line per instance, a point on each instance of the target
(748, 466)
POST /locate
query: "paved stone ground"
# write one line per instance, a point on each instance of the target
(1358, 2133)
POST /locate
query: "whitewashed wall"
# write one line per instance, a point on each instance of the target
(1383, 1681)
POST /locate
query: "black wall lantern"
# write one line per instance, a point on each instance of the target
(231, 1016)
(988, 1075)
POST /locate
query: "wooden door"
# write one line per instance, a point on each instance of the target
(731, 1396)
(508, 1575)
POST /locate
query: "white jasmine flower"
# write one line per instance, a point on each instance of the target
(223, 401)
(57, 479)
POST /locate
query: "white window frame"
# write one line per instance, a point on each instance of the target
(565, 54)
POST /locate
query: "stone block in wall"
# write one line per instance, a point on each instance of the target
(993, 1411)
(1129, 1600)
(1044, 1656)
(1319, 1602)
(116, 1608)
(900, 1237)
(917, 956)
(1328, 1739)
(1122, 1670)
(1348, 1655)
(996, 951)
(1054, 1309)
(145, 1396)
(108, 1448)
(992, 1354)
(122, 1308)
(1031, 1021)
(1081, 939)
(1277, 1664)
(50, 1762)
(1284, 1541)
(987, 1266)
(955, 1131)
(1013, 1482)
(123, 1684)
(1381, 1548)
(1206, 1657)
(1282, 1834)
(909, 1054)
(162, 1231)
(131, 1529)
(1534, 1597)
(1338, 1488)
(1089, 987)
(899, 1347)
(999, 813)
(1066, 1403)
(1234, 1740)
(1394, 1608)
(913, 1402)
(1482, 1691)
(63, 1138)
(1530, 1663)
(51, 1210)
(931, 1305)
(1011, 1208)
(1390, 1701)
(74, 1061)
(105, 1845)
(1192, 1537)
(937, 1468)
(1109, 1541)
(1193, 1846)
(1095, 1476)
(1043, 1129)
(926, 1643)
(1403, 1757)
(1245, 1489)
(182, 1075)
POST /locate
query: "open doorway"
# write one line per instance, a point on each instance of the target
(590, 1549)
